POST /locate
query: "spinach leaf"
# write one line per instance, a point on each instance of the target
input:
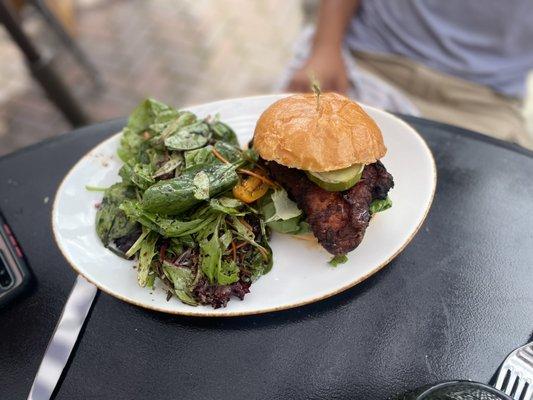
(176, 119)
(167, 227)
(201, 185)
(140, 121)
(154, 157)
(231, 153)
(177, 195)
(146, 254)
(125, 172)
(141, 176)
(146, 125)
(202, 156)
(189, 137)
(145, 114)
(185, 141)
(111, 222)
(182, 280)
(130, 143)
(205, 157)
(169, 166)
(251, 155)
(223, 132)
(380, 205)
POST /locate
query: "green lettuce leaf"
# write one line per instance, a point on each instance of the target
(146, 254)
(211, 256)
(111, 222)
(225, 239)
(228, 273)
(284, 207)
(380, 205)
(182, 279)
(227, 205)
(293, 226)
(257, 264)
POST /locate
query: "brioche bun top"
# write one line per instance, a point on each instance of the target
(339, 133)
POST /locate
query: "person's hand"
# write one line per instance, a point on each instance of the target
(327, 67)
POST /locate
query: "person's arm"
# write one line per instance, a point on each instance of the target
(325, 61)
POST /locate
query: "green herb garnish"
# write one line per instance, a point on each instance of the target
(315, 87)
(340, 259)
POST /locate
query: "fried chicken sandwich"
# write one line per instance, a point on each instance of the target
(324, 150)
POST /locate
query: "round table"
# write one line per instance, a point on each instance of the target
(451, 306)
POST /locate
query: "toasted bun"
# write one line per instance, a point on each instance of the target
(294, 133)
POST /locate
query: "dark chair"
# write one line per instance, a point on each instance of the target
(41, 67)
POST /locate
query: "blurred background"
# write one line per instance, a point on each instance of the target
(181, 52)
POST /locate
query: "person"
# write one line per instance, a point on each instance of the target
(463, 62)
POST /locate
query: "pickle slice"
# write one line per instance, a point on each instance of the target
(338, 180)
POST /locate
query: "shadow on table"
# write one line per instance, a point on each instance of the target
(276, 318)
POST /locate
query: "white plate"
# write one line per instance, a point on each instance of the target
(301, 273)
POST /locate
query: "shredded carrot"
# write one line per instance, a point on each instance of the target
(219, 156)
(242, 244)
(263, 252)
(246, 224)
(259, 166)
(258, 176)
(234, 250)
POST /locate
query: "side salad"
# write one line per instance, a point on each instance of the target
(192, 207)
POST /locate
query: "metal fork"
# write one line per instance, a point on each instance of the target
(517, 371)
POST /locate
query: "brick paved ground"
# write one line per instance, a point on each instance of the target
(182, 52)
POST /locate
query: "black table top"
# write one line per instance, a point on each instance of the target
(452, 305)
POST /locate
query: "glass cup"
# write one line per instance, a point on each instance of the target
(456, 390)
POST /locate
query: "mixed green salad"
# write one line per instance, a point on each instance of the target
(192, 207)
